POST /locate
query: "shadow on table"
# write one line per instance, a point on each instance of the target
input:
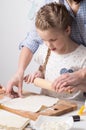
(77, 129)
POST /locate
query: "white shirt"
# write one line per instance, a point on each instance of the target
(74, 60)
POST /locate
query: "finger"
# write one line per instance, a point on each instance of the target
(67, 88)
(14, 94)
(70, 89)
(54, 85)
(63, 77)
(32, 78)
(10, 94)
(9, 88)
(20, 89)
(61, 81)
(61, 90)
(37, 75)
(26, 78)
(29, 79)
(61, 84)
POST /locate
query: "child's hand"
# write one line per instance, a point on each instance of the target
(30, 78)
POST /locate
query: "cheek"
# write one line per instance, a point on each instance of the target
(58, 44)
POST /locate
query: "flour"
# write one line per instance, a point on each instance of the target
(54, 125)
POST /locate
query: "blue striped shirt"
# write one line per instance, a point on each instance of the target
(78, 30)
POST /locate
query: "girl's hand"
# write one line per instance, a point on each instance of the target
(30, 78)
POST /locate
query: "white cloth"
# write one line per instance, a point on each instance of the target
(74, 60)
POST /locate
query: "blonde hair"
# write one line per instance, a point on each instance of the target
(53, 15)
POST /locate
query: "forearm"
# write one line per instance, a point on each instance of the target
(24, 59)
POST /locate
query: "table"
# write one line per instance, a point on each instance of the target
(77, 125)
(80, 125)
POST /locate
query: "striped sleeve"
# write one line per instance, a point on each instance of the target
(32, 41)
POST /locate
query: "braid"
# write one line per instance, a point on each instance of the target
(42, 68)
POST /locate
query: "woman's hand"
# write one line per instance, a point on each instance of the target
(69, 79)
(17, 80)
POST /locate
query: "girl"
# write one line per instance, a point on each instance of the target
(62, 54)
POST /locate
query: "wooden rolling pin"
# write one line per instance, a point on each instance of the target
(42, 83)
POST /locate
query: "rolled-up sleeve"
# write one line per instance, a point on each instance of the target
(32, 41)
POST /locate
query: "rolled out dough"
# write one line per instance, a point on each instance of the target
(31, 103)
(10, 121)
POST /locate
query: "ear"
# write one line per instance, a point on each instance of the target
(68, 30)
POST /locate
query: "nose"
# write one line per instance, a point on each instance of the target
(49, 45)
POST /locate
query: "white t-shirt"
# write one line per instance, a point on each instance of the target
(56, 62)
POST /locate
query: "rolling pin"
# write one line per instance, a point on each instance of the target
(42, 83)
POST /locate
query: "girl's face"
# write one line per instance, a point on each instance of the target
(55, 40)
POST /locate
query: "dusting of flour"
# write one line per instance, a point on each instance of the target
(54, 125)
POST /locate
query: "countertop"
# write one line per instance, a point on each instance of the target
(80, 125)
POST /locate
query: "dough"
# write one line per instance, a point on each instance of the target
(10, 121)
(31, 103)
